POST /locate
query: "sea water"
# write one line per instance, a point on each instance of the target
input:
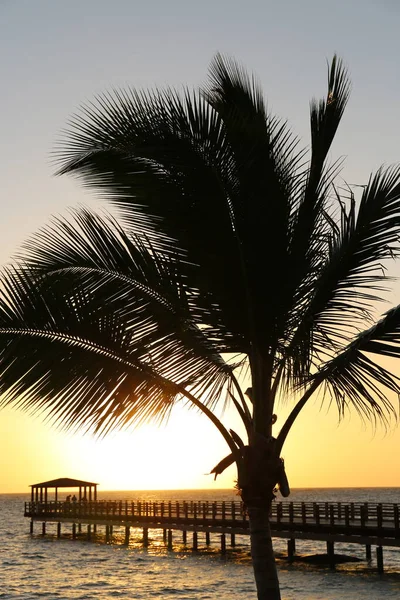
(46, 567)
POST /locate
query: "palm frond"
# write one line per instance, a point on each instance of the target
(351, 279)
(325, 116)
(353, 377)
(67, 347)
(309, 238)
(75, 367)
(266, 163)
(118, 268)
(165, 159)
(222, 465)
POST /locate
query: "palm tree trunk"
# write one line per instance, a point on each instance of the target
(257, 477)
(262, 554)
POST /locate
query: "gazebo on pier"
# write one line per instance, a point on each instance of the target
(87, 489)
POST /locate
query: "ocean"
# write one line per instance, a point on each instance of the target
(46, 567)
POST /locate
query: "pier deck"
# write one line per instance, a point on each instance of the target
(366, 523)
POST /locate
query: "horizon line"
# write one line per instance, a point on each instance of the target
(357, 487)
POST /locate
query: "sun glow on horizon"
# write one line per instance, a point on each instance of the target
(177, 455)
(318, 453)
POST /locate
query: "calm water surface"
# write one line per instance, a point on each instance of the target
(36, 567)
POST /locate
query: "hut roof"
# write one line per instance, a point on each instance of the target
(63, 482)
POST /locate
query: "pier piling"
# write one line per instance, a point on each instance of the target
(330, 548)
(291, 549)
(379, 558)
(127, 534)
(145, 537)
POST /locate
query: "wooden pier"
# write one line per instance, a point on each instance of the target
(368, 524)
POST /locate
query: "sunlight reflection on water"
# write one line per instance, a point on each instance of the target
(37, 567)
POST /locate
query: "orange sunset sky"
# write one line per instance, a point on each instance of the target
(318, 453)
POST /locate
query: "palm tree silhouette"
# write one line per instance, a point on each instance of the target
(236, 249)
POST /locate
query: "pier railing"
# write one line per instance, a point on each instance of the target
(334, 513)
(233, 513)
(214, 511)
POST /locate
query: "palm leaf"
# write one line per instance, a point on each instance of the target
(266, 162)
(345, 289)
(118, 268)
(88, 360)
(54, 357)
(222, 465)
(310, 237)
(167, 156)
(354, 378)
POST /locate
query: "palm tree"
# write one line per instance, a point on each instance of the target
(238, 249)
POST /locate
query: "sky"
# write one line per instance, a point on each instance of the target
(57, 55)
